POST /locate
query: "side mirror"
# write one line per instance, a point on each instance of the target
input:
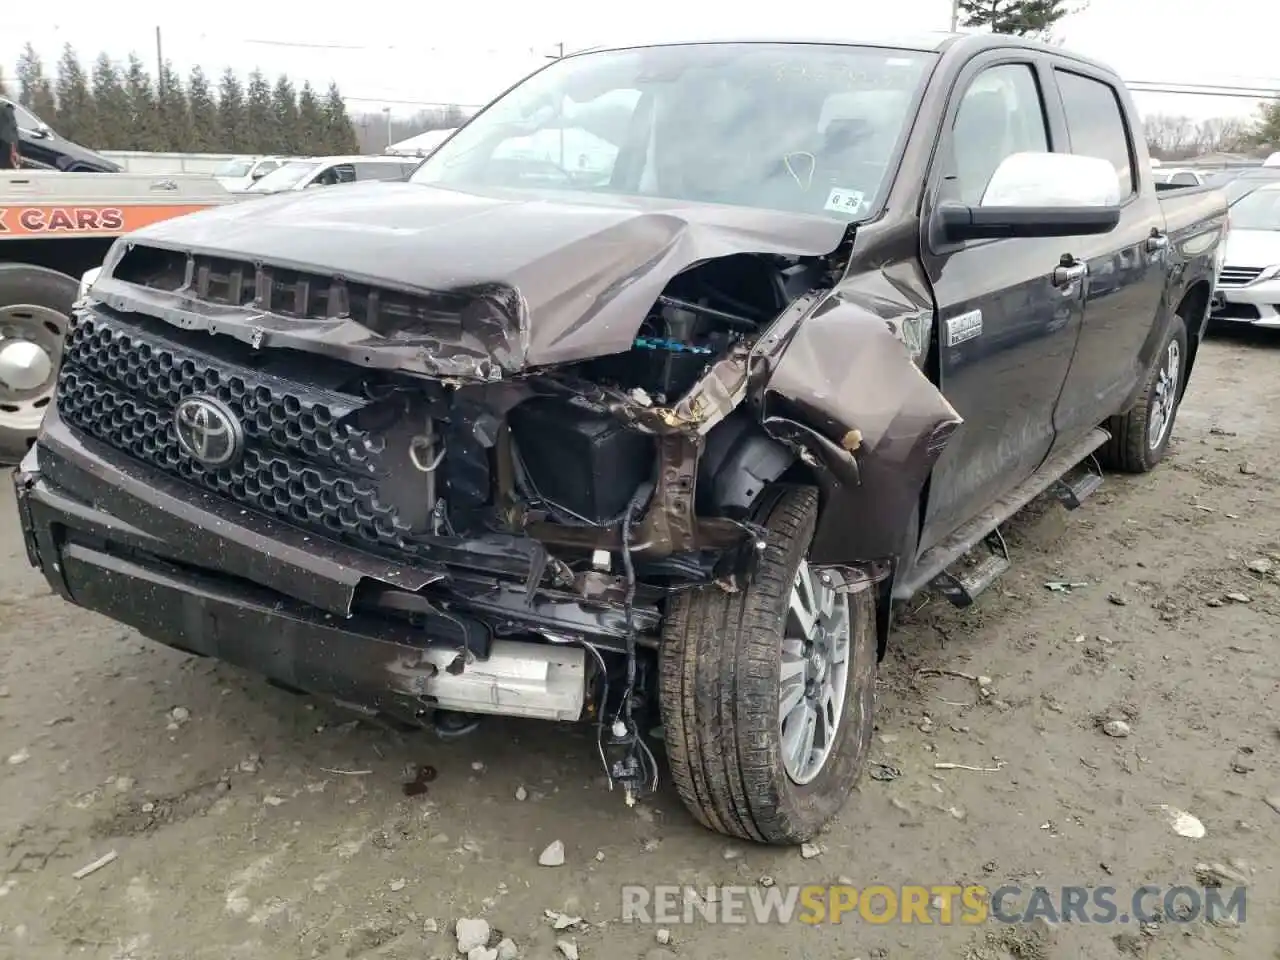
(1039, 195)
(257, 174)
(42, 132)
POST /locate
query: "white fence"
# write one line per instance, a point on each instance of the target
(157, 163)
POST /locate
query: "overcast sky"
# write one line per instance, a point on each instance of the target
(469, 52)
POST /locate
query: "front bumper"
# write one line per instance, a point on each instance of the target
(203, 575)
(1257, 304)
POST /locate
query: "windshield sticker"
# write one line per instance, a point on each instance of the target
(841, 200)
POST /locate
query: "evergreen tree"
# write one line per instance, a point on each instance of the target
(142, 131)
(311, 122)
(204, 114)
(172, 111)
(111, 103)
(284, 107)
(231, 118)
(1025, 18)
(77, 118)
(36, 92)
(340, 135)
(4, 86)
(1267, 132)
(259, 137)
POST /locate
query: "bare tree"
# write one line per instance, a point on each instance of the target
(1169, 137)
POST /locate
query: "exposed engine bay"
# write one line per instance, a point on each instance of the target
(623, 509)
(614, 480)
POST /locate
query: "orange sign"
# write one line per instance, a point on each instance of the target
(89, 220)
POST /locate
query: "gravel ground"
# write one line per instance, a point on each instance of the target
(250, 823)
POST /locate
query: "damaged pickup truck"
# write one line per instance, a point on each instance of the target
(640, 403)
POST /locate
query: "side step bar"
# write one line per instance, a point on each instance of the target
(1077, 484)
(1071, 486)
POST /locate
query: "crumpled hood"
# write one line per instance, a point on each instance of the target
(579, 271)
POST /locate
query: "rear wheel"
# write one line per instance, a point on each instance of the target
(35, 308)
(1140, 438)
(768, 694)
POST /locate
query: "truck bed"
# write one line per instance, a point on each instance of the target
(1192, 210)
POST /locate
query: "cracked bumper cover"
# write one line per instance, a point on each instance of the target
(204, 576)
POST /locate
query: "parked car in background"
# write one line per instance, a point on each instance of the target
(1248, 287)
(240, 173)
(326, 171)
(1179, 177)
(43, 148)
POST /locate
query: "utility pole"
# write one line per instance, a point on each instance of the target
(955, 15)
(159, 59)
(559, 55)
(387, 111)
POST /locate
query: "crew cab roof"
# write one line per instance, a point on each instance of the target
(924, 41)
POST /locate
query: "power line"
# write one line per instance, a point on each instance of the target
(415, 49)
(1183, 92)
(415, 103)
(1232, 87)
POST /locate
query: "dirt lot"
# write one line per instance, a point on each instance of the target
(244, 828)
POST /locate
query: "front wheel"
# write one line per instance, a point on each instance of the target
(1140, 438)
(768, 694)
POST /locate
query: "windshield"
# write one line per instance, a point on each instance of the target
(26, 119)
(286, 177)
(1259, 210)
(808, 128)
(1243, 186)
(234, 168)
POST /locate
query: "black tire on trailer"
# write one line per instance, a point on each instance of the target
(35, 311)
(730, 662)
(1140, 438)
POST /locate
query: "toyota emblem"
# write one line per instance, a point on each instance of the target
(208, 431)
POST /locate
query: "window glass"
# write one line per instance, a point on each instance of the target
(803, 127)
(1259, 210)
(379, 171)
(1096, 124)
(1001, 114)
(286, 177)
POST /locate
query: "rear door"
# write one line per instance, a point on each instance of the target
(1007, 318)
(1125, 285)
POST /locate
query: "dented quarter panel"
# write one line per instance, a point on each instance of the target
(543, 279)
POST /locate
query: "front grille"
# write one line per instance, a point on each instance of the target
(307, 460)
(1238, 276)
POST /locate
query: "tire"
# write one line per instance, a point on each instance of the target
(722, 661)
(1131, 448)
(35, 302)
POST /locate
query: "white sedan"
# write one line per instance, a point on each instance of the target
(1248, 288)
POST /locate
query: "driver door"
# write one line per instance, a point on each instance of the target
(1006, 330)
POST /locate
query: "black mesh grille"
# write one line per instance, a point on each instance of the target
(304, 461)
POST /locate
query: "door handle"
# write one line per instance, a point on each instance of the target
(1068, 273)
(1157, 242)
